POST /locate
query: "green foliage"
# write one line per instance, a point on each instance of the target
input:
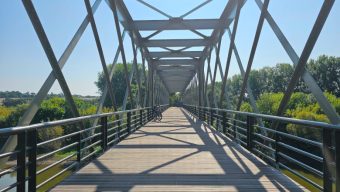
(268, 103)
(175, 99)
(13, 119)
(119, 84)
(334, 100)
(246, 107)
(51, 109)
(5, 112)
(305, 131)
(326, 72)
(299, 99)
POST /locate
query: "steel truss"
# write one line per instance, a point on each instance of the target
(176, 69)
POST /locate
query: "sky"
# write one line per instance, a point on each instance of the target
(24, 65)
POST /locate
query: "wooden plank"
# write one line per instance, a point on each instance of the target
(177, 154)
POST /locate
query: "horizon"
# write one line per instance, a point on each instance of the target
(98, 93)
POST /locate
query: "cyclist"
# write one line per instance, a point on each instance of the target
(157, 113)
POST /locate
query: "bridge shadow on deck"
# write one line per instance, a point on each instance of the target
(178, 154)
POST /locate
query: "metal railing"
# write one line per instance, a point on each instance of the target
(84, 144)
(309, 150)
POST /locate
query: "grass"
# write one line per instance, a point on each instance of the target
(56, 169)
(312, 177)
(49, 173)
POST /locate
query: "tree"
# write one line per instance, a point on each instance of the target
(326, 72)
(118, 84)
(268, 103)
(175, 99)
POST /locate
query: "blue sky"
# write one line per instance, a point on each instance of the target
(24, 66)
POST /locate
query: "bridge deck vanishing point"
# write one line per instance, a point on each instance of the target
(178, 154)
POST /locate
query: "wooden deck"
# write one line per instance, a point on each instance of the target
(178, 154)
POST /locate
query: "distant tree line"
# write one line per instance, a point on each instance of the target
(325, 70)
(16, 94)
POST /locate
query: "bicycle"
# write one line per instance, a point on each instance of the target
(157, 114)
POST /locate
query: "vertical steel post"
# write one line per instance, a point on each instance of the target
(128, 122)
(119, 126)
(141, 117)
(79, 147)
(277, 147)
(134, 114)
(224, 122)
(250, 131)
(327, 160)
(32, 159)
(103, 123)
(21, 162)
(234, 127)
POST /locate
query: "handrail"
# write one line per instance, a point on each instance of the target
(18, 129)
(277, 118)
(279, 147)
(83, 146)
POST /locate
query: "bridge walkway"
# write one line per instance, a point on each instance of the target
(178, 154)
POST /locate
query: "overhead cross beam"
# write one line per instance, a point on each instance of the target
(175, 62)
(177, 43)
(177, 24)
(175, 54)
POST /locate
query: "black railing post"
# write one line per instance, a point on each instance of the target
(103, 122)
(148, 115)
(211, 117)
(234, 127)
(208, 116)
(250, 131)
(133, 122)
(199, 113)
(21, 162)
(204, 114)
(327, 154)
(79, 147)
(277, 147)
(119, 127)
(224, 122)
(141, 117)
(32, 159)
(128, 122)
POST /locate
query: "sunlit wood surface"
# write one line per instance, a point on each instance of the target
(177, 154)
